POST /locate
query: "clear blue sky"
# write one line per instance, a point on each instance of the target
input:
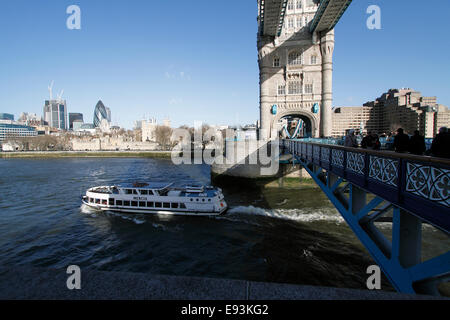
(197, 60)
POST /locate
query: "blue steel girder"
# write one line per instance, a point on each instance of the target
(397, 181)
(271, 17)
(417, 184)
(328, 15)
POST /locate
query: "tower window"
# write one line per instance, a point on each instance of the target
(290, 5)
(276, 62)
(309, 88)
(295, 58)
(290, 22)
(281, 89)
(299, 22)
(295, 87)
(313, 59)
(299, 4)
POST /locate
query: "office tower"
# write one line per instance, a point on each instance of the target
(74, 117)
(6, 116)
(100, 113)
(55, 114)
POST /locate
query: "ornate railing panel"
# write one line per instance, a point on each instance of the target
(418, 184)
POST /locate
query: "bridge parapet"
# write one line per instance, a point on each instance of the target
(418, 184)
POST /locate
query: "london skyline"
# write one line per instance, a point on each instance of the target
(140, 62)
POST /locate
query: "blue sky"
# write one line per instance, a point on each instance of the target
(197, 60)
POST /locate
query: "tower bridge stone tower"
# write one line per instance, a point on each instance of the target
(296, 67)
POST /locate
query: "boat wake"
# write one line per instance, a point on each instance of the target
(95, 213)
(299, 215)
(88, 210)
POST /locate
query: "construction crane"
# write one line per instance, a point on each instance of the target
(50, 88)
(60, 95)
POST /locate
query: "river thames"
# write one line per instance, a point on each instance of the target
(270, 234)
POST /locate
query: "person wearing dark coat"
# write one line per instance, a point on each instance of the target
(366, 142)
(376, 142)
(417, 144)
(401, 141)
(441, 144)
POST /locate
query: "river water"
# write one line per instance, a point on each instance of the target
(273, 234)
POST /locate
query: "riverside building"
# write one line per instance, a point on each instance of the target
(405, 108)
(12, 130)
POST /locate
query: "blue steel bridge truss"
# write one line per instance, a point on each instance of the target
(368, 187)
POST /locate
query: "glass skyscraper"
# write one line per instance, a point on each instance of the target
(55, 114)
(6, 116)
(100, 113)
(74, 117)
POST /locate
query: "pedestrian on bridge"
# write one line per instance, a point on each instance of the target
(441, 144)
(350, 140)
(367, 141)
(401, 141)
(417, 144)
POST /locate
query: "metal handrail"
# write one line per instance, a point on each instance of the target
(418, 184)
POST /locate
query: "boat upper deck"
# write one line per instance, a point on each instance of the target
(157, 189)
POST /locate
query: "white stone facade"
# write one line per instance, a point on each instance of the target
(296, 72)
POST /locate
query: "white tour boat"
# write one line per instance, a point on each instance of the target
(157, 198)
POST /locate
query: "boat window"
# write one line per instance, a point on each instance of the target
(175, 205)
(111, 202)
(182, 206)
(150, 204)
(104, 202)
(97, 201)
(166, 205)
(126, 203)
(197, 200)
(134, 191)
(209, 200)
(192, 199)
(142, 204)
(134, 203)
(150, 192)
(91, 200)
(128, 191)
(203, 200)
(118, 202)
(158, 204)
(144, 192)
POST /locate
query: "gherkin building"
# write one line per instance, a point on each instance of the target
(99, 114)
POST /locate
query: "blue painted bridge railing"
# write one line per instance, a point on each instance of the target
(420, 185)
(406, 190)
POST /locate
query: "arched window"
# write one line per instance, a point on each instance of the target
(295, 58)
